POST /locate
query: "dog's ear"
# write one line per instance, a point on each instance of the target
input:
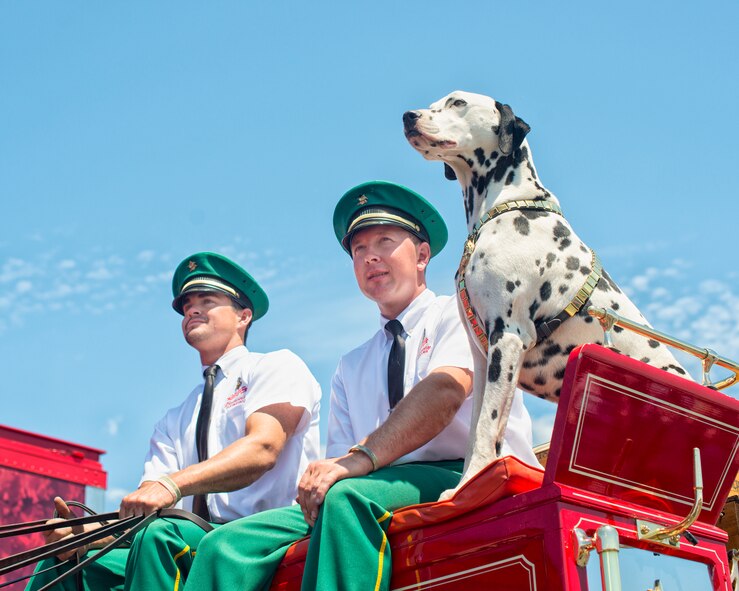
(449, 173)
(512, 130)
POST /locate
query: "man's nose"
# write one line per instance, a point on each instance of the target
(371, 256)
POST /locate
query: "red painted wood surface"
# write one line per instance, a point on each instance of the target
(630, 431)
(39, 454)
(33, 470)
(28, 497)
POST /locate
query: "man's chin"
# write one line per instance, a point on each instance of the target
(195, 336)
(375, 293)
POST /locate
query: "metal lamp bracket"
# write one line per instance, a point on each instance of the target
(608, 319)
(670, 535)
(606, 543)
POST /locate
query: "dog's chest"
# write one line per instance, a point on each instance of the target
(527, 267)
(525, 258)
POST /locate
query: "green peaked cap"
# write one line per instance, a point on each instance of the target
(382, 202)
(208, 271)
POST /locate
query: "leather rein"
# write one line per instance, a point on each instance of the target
(122, 531)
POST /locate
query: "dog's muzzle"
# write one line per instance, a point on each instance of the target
(409, 123)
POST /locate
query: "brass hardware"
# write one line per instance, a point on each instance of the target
(607, 321)
(708, 361)
(584, 544)
(608, 318)
(646, 529)
(670, 535)
(606, 543)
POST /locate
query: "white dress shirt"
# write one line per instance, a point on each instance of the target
(245, 383)
(435, 337)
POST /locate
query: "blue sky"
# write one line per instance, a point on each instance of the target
(134, 134)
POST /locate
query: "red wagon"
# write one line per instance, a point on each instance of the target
(33, 470)
(606, 512)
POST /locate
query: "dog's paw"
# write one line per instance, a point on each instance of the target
(447, 494)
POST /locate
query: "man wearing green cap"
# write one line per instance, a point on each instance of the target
(236, 446)
(399, 419)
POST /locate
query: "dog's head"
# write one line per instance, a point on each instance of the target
(464, 125)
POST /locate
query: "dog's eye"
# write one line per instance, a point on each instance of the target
(459, 103)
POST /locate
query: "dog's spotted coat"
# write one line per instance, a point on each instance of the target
(526, 267)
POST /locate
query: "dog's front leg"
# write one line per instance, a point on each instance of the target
(478, 387)
(499, 379)
(478, 394)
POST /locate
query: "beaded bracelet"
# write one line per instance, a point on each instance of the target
(366, 451)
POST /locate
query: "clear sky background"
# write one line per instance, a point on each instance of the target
(133, 134)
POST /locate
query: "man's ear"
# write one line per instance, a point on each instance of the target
(423, 255)
(245, 317)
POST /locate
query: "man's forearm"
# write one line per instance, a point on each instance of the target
(424, 412)
(238, 465)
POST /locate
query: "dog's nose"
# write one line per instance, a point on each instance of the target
(410, 118)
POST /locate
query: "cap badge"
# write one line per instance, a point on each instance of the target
(362, 199)
(192, 265)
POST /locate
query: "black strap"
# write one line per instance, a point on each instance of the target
(545, 328)
(27, 557)
(182, 514)
(142, 522)
(396, 363)
(116, 529)
(17, 529)
(74, 559)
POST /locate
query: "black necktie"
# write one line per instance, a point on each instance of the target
(395, 363)
(199, 503)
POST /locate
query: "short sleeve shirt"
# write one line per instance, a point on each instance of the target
(434, 337)
(245, 383)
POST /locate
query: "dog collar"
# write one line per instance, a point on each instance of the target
(543, 328)
(537, 204)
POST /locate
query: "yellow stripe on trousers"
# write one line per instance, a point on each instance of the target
(382, 551)
(177, 577)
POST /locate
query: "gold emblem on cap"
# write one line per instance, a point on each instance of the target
(192, 265)
(362, 199)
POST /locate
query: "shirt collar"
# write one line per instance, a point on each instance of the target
(227, 361)
(410, 317)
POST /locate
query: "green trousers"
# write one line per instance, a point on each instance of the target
(159, 558)
(348, 548)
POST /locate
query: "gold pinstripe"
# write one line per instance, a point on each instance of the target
(185, 550)
(381, 558)
(382, 216)
(210, 282)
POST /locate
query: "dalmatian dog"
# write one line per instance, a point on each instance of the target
(526, 267)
